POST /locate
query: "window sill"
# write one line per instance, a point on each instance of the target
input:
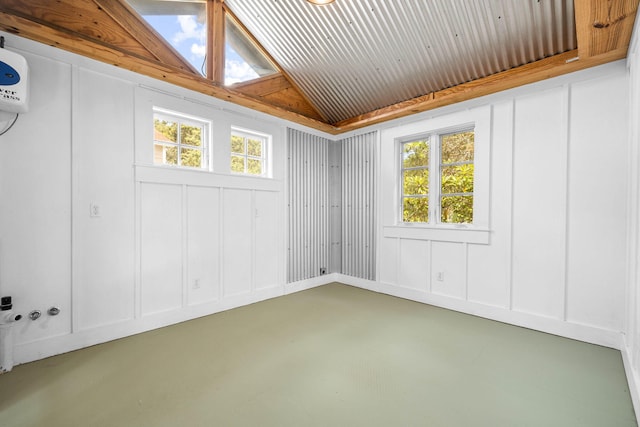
(201, 177)
(473, 235)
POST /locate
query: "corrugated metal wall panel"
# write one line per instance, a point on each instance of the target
(331, 201)
(355, 56)
(358, 206)
(309, 205)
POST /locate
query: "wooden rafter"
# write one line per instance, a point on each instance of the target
(547, 68)
(603, 25)
(109, 31)
(215, 41)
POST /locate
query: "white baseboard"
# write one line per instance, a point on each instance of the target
(27, 352)
(40, 349)
(632, 378)
(586, 333)
(314, 282)
(51, 346)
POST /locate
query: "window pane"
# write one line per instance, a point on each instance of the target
(170, 155)
(158, 154)
(191, 135)
(191, 157)
(415, 209)
(165, 131)
(181, 23)
(457, 147)
(416, 182)
(457, 179)
(243, 60)
(254, 147)
(237, 164)
(415, 154)
(254, 166)
(457, 209)
(237, 144)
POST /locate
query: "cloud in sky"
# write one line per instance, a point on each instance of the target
(189, 29)
(199, 50)
(237, 71)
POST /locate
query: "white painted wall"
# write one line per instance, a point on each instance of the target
(631, 344)
(555, 259)
(169, 244)
(556, 253)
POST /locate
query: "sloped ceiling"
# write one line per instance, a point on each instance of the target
(353, 57)
(354, 62)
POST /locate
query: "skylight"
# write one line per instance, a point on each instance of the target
(243, 60)
(183, 24)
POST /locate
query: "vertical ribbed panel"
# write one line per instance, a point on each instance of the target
(355, 56)
(358, 206)
(309, 205)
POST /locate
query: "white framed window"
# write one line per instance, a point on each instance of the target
(437, 177)
(180, 140)
(249, 152)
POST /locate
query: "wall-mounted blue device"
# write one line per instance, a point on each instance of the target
(14, 82)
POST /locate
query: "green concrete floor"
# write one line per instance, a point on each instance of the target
(329, 356)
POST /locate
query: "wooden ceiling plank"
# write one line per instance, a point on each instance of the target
(263, 86)
(603, 25)
(79, 16)
(140, 30)
(273, 61)
(73, 42)
(529, 73)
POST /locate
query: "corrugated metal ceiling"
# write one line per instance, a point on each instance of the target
(356, 56)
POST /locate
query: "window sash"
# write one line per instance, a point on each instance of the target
(434, 194)
(246, 157)
(181, 147)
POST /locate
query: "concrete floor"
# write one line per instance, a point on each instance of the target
(330, 356)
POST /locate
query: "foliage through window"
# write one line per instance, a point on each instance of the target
(249, 153)
(438, 178)
(179, 141)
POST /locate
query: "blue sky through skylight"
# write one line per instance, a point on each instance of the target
(189, 38)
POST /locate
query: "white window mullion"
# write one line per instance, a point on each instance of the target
(434, 179)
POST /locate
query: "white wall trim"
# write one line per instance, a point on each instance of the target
(632, 377)
(40, 349)
(586, 333)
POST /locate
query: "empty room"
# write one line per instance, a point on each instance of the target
(319, 213)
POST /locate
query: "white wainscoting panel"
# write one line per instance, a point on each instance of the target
(203, 240)
(539, 203)
(161, 247)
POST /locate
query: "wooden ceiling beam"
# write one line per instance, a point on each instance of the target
(215, 41)
(74, 43)
(603, 25)
(554, 66)
(141, 31)
(603, 30)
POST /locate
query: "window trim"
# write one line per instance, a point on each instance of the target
(434, 167)
(266, 152)
(392, 225)
(182, 118)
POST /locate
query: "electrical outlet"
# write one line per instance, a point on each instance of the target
(94, 210)
(440, 276)
(196, 284)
